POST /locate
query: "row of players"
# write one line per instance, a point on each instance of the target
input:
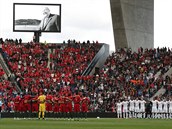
(65, 105)
(139, 108)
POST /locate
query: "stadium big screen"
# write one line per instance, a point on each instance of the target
(33, 17)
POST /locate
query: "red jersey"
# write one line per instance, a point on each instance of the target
(17, 99)
(85, 101)
(77, 99)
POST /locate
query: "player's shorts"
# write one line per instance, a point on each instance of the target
(154, 110)
(17, 107)
(125, 110)
(42, 107)
(34, 107)
(56, 108)
(170, 110)
(69, 108)
(84, 108)
(131, 109)
(119, 111)
(62, 108)
(76, 108)
(160, 110)
(165, 110)
(49, 107)
(137, 110)
(142, 110)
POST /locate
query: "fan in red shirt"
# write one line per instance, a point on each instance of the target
(85, 105)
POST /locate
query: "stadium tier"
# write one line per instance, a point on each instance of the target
(57, 70)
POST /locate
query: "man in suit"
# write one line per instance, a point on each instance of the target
(51, 22)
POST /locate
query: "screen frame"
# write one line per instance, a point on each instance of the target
(44, 4)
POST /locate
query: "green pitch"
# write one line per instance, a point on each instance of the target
(92, 123)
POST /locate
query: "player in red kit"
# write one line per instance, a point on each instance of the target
(35, 104)
(56, 105)
(69, 101)
(17, 109)
(49, 106)
(77, 108)
(85, 102)
(27, 104)
(27, 99)
(62, 106)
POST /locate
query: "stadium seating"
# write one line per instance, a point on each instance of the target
(129, 74)
(125, 74)
(39, 66)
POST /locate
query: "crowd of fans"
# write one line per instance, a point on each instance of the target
(125, 74)
(29, 63)
(129, 74)
(7, 91)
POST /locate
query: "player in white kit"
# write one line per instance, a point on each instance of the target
(154, 108)
(142, 108)
(137, 108)
(131, 108)
(160, 108)
(165, 109)
(119, 109)
(170, 108)
(125, 108)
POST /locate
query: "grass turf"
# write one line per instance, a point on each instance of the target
(91, 123)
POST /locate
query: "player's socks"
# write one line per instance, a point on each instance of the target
(15, 116)
(82, 114)
(39, 115)
(144, 115)
(167, 115)
(65, 115)
(68, 115)
(120, 115)
(75, 115)
(85, 115)
(43, 115)
(79, 115)
(71, 115)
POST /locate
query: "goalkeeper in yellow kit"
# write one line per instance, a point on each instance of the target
(41, 100)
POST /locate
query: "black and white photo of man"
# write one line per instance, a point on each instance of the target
(50, 22)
